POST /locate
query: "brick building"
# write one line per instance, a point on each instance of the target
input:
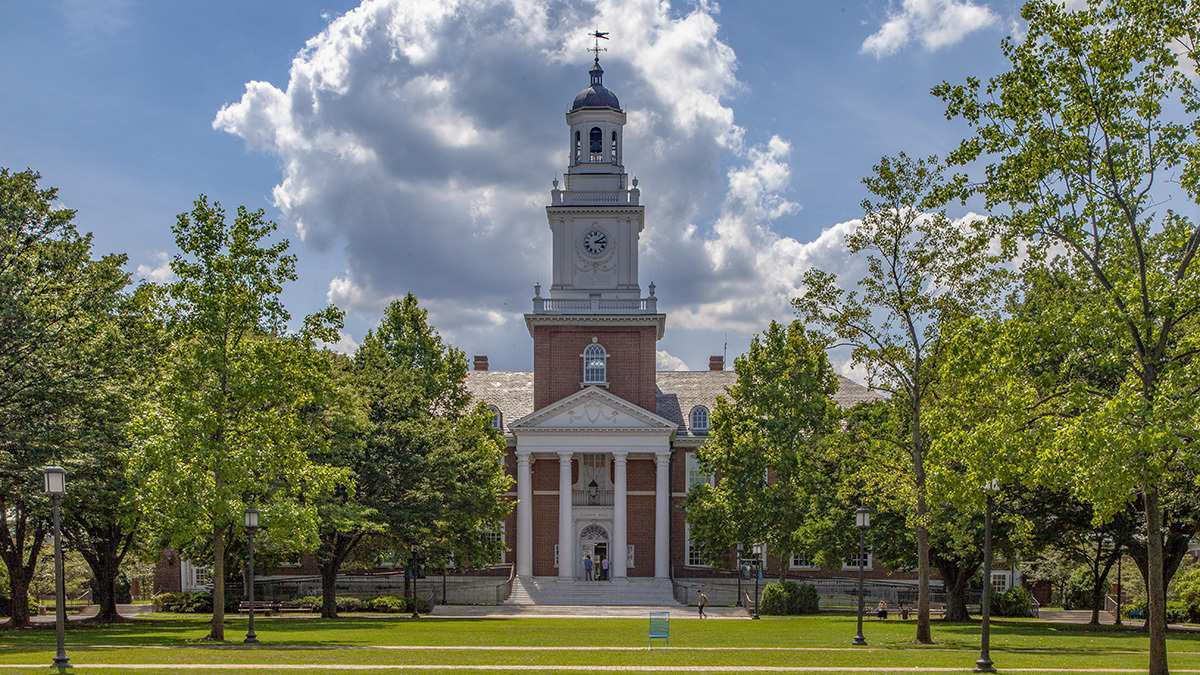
(601, 445)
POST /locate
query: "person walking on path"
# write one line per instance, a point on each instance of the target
(702, 602)
(604, 568)
(587, 567)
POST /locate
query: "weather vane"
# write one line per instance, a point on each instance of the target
(598, 36)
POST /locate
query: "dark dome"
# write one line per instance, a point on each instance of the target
(596, 96)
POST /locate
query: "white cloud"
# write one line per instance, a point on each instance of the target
(935, 23)
(664, 360)
(421, 140)
(159, 272)
(346, 344)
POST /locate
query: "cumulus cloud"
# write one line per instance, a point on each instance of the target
(934, 23)
(664, 360)
(159, 271)
(418, 138)
(346, 344)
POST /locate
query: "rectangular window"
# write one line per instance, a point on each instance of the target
(496, 535)
(802, 561)
(694, 559)
(851, 563)
(629, 559)
(1000, 581)
(556, 555)
(695, 475)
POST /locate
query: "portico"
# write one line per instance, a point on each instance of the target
(590, 439)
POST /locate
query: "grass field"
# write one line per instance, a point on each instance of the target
(554, 644)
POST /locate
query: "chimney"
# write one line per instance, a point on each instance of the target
(716, 362)
(481, 362)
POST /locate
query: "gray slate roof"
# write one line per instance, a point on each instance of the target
(678, 392)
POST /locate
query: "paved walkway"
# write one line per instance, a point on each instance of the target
(576, 611)
(308, 667)
(91, 611)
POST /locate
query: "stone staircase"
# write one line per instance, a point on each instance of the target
(646, 592)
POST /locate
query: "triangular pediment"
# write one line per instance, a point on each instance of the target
(593, 408)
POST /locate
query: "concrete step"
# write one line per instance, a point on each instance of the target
(628, 592)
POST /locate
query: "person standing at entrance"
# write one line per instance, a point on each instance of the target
(604, 569)
(587, 567)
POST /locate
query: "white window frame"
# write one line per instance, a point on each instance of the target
(590, 351)
(497, 418)
(693, 473)
(806, 562)
(850, 565)
(695, 412)
(1002, 577)
(687, 550)
(556, 556)
(498, 533)
(629, 558)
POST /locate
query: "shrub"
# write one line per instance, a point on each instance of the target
(312, 603)
(1016, 601)
(1177, 611)
(422, 605)
(1077, 593)
(387, 603)
(195, 602)
(349, 604)
(788, 597)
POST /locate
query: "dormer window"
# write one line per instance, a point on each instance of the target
(595, 365)
(497, 418)
(699, 420)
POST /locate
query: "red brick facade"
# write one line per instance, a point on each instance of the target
(558, 362)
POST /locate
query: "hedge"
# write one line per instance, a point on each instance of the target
(789, 597)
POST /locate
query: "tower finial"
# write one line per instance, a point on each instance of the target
(596, 48)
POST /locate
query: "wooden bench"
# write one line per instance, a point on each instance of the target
(269, 607)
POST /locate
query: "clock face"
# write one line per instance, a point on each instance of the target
(595, 242)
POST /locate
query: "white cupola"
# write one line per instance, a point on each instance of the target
(596, 121)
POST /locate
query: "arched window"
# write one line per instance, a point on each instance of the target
(699, 421)
(595, 364)
(596, 144)
(497, 418)
(613, 152)
(578, 148)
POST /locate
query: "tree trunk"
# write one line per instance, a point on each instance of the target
(924, 630)
(18, 587)
(1156, 609)
(217, 632)
(956, 576)
(329, 571)
(1097, 600)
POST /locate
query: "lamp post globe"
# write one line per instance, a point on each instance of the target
(862, 520)
(251, 522)
(55, 483)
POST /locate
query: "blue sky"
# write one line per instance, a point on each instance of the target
(426, 158)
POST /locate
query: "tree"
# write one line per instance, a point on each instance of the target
(1085, 139)
(52, 294)
(434, 463)
(99, 518)
(224, 428)
(922, 271)
(768, 447)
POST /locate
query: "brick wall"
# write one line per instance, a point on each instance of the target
(166, 573)
(558, 367)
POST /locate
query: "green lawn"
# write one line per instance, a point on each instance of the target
(809, 641)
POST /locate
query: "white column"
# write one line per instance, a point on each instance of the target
(524, 515)
(662, 514)
(620, 517)
(566, 519)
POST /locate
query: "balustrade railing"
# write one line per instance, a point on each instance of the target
(569, 197)
(589, 497)
(595, 305)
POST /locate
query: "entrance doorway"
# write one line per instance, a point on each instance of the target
(593, 541)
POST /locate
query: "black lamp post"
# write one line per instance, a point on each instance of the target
(251, 526)
(1120, 554)
(862, 520)
(739, 602)
(758, 562)
(984, 664)
(56, 486)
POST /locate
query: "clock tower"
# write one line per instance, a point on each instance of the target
(595, 312)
